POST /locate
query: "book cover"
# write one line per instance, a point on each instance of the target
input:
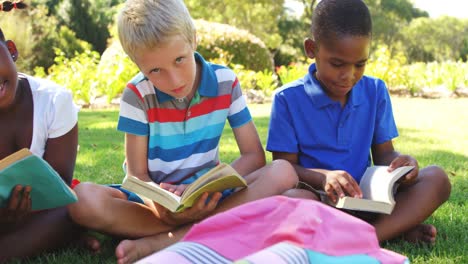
(24, 168)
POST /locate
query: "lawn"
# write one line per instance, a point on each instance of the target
(433, 131)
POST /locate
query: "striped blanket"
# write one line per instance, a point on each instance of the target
(279, 230)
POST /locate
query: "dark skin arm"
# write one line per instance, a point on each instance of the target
(48, 229)
(338, 183)
(335, 183)
(60, 153)
(385, 154)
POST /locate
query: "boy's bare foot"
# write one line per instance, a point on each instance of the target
(129, 251)
(422, 233)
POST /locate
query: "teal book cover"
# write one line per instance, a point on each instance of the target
(48, 189)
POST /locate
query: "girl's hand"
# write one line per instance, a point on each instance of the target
(176, 189)
(200, 209)
(19, 205)
(406, 160)
(339, 184)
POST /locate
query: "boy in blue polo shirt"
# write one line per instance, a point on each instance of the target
(334, 122)
(173, 114)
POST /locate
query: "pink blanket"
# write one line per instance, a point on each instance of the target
(279, 227)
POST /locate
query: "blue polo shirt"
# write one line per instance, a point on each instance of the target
(304, 120)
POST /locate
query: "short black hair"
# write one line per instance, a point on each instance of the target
(339, 18)
(2, 37)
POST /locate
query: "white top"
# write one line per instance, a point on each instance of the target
(55, 114)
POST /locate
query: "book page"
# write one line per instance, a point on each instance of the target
(18, 155)
(217, 185)
(217, 172)
(351, 203)
(139, 186)
(378, 184)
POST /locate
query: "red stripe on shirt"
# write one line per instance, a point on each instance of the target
(175, 115)
(211, 105)
(132, 87)
(235, 83)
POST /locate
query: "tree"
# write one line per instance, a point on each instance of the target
(37, 35)
(88, 19)
(259, 17)
(440, 39)
(389, 17)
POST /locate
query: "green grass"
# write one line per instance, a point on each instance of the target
(433, 131)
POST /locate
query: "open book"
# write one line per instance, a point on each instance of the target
(219, 178)
(48, 190)
(378, 187)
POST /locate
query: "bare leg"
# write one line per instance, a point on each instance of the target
(301, 193)
(107, 210)
(273, 179)
(414, 204)
(42, 231)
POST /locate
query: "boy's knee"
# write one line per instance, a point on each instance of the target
(284, 173)
(81, 210)
(440, 180)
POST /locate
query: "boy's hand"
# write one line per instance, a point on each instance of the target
(19, 205)
(406, 160)
(176, 189)
(339, 184)
(198, 211)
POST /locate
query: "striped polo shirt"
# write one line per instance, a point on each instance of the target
(183, 137)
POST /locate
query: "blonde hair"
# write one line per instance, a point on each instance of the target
(145, 24)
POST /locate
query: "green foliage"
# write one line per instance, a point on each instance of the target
(293, 32)
(90, 76)
(440, 39)
(246, 77)
(15, 26)
(291, 72)
(389, 68)
(69, 44)
(451, 75)
(75, 14)
(264, 81)
(397, 74)
(259, 17)
(389, 17)
(115, 69)
(36, 35)
(216, 39)
(88, 19)
(77, 74)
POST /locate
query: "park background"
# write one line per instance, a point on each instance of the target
(422, 59)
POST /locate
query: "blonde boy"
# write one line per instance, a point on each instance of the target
(173, 114)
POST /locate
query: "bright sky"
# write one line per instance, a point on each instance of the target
(435, 8)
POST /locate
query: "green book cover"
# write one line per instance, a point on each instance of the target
(48, 189)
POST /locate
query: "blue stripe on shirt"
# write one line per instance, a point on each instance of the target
(132, 126)
(240, 118)
(175, 141)
(184, 152)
